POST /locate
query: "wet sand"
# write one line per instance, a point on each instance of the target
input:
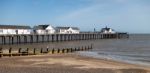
(66, 63)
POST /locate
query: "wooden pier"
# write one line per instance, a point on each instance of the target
(35, 38)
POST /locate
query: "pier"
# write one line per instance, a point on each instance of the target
(35, 38)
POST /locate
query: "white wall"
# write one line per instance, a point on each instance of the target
(110, 31)
(68, 31)
(50, 30)
(13, 31)
(24, 31)
(39, 31)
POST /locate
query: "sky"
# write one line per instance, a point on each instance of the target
(131, 16)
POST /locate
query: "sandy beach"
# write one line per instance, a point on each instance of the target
(66, 63)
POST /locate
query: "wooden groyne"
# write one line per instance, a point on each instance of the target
(35, 38)
(34, 51)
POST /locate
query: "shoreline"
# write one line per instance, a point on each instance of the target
(99, 56)
(62, 63)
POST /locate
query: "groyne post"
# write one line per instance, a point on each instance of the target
(41, 50)
(19, 51)
(1, 52)
(53, 50)
(10, 52)
(27, 51)
(63, 51)
(58, 51)
(34, 51)
(47, 49)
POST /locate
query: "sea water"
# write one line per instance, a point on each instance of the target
(135, 50)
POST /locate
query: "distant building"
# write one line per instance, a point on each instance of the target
(14, 29)
(107, 30)
(44, 29)
(67, 30)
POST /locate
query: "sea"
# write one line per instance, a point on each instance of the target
(135, 50)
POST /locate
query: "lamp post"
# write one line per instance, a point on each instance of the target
(94, 28)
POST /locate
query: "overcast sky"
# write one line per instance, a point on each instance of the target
(131, 16)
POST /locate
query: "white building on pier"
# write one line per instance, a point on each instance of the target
(44, 29)
(107, 30)
(14, 29)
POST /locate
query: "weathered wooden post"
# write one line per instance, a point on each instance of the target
(1, 52)
(82, 48)
(56, 37)
(19, 51)
(12, 42)
(17, 39)
(41, 50)
(9, 39)
(68, 37)
(37, 38)
(27, 51)
(4, 40)
(79, 48)
(47, 49)
(31, 38)
(47, 37)
(34, 51)
(53, 50)
(65, 37)
(52, 38)
(10, 52)
(88, 47)
(60, 37)
(75, 49)
(67, 50)
(58, 51)
(42, 38)
(63, 50)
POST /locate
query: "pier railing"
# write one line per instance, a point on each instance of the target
(34, 51)
(36, 38)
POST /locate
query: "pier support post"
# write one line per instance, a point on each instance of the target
(37, 38)
(12, 42)
(42, 38)
(9, 40)
(52, 38)
(57, 37)
(31, 38)
(4, 39)
(48, 38)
